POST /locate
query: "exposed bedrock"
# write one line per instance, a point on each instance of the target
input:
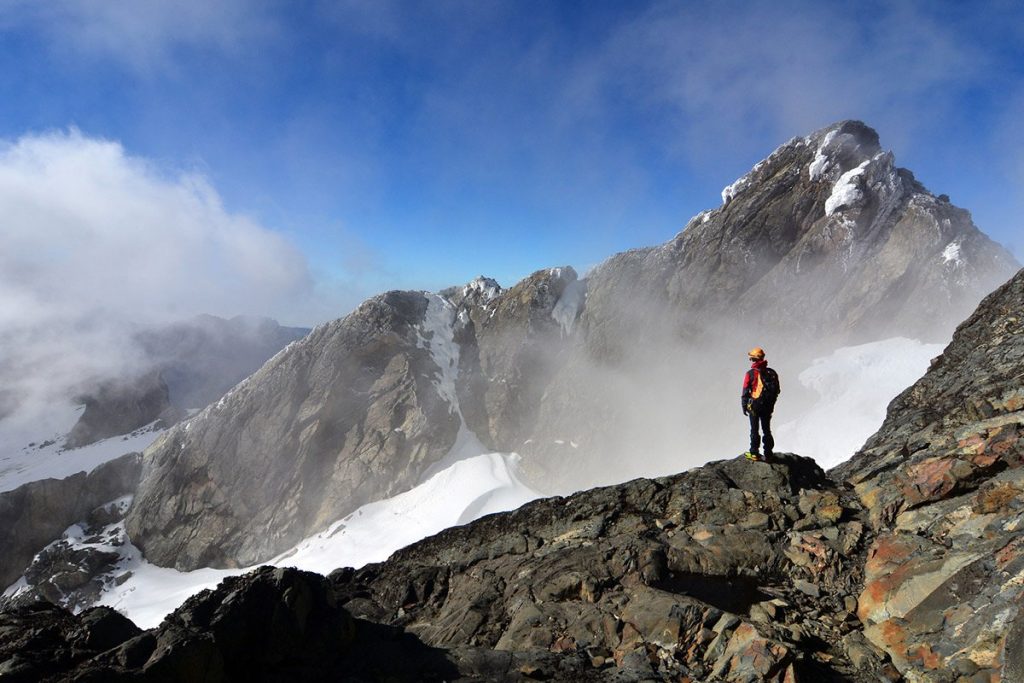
(36, 513)
(944, 488)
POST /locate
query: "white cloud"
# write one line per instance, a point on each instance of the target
(94, 242)
(86, 227)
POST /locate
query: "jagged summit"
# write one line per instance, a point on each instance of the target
(830, 219)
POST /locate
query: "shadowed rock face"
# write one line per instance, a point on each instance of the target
(270, 625)
(944, 487)
(511, 342)
(120, 406)
(35, 514)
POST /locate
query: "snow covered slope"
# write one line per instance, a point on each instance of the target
(31, 450)
(854, 386)
(466, 490)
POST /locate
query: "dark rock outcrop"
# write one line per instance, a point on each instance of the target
(33, 515)
(74, 570)
(270, 625)
(121, 406)
(41, 641)
(734, 571)
(944, 487)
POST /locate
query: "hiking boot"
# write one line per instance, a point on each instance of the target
(755, 457)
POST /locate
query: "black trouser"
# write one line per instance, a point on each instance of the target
(755, 438)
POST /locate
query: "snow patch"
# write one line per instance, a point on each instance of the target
(846, 192)
(437, 335)
(486, 287)
(821, 159)
(30, 452)
(855, 385)
(951, 254)
(568, 307)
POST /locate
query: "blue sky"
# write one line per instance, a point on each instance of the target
(377, 145)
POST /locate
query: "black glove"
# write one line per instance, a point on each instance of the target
(743, 406)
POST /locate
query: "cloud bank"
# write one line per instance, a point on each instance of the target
(95, 242)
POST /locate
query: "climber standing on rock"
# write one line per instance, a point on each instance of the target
(760, 390)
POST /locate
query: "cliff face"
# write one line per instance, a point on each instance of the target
(943, 484)
(344, 416)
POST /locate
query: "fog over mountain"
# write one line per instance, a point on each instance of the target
(100, 246)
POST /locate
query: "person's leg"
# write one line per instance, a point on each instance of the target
(769, 440)
(755, 436)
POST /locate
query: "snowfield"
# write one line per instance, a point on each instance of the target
(31, 450)
(854, 385)
(463, 492)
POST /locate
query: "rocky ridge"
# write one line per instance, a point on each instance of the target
(943, 485)
(33, 515)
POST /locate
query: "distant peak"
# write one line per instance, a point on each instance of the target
(485, 287)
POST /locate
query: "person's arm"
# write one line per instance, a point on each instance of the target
(745, 396)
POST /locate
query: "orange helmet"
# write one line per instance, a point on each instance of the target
(757, 353)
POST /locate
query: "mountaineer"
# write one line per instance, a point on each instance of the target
(760, 390)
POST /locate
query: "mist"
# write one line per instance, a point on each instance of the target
(651, 382)
(98, 244)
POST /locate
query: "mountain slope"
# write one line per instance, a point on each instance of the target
(944, 485)
(824, 244)
(344, 416)
(593, 382)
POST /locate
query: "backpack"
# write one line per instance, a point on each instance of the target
(771, 387)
